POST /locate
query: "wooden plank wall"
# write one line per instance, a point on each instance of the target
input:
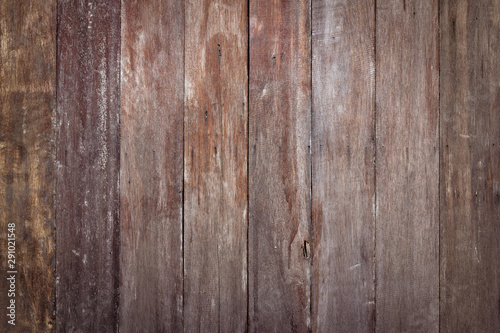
(251, 165)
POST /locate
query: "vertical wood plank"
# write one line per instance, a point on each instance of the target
(88, 165)
(279, 166)
(215, 159)
(27, 151)
(343, 172)
(152, 93)
(407, 166)
(470, 165)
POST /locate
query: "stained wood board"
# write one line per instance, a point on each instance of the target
(343, 166)
(87, 195)
(215, 166)
(152, 102)
(407, 166)
(27, 164)
(279, 166)
(470, 166)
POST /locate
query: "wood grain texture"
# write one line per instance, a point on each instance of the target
(407, 166)
(343, 170)
(470, 166)
(151, 165)
(279, 166)
(27, 151)
(87, 171)
(215, 159)
(152, 93)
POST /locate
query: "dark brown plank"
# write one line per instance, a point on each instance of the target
(87, 172)
(470, 165)
(151, 165)
(27, 107)
(407, 166)
(215, 158)
(343, 170)
(279, 166)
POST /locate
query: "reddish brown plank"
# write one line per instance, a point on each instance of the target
(87, 208)
(152, 92)
(470, 165)
(279, 166)
(27, 108)
(343, 171)
(215, 159)
(407, 166)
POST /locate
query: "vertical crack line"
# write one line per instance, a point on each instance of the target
(375, 143)
(311, 223)
(220, 109)
(117, 256)
(439, 159)
(183, 161)
(248, 166)
(56, 134)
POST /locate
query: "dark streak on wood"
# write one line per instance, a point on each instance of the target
(279, 166)
(87, 207)
(27, 151)
(407, 164)
(215, 195)
(470, 166)
(343, 197)
(151, 165)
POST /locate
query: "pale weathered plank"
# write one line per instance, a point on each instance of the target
(470, 166)
(407, 166)
(279, 166)
(215, 159)
(87, 208)
(343, 170)
(27, 151)
(151, 165)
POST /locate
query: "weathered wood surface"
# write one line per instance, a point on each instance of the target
(27, 108)
(150, 187)
(152, 93)
(407, 166)
(343, 170)
(215, 159)
(87, 208)
(470, 166)
(279, 166)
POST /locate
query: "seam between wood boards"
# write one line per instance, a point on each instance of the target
(183, 160)
(248, 168)
(117, 239)
(56, 130)
(220, 109)
(311, 223)
(438, 46)
(374, 318)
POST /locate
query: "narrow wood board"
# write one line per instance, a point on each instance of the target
(87, 208)
(279, 166)
(407, 166)
(152, 93)
(470, 166)
(343, 170)
(215, 159)
(27, 151)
